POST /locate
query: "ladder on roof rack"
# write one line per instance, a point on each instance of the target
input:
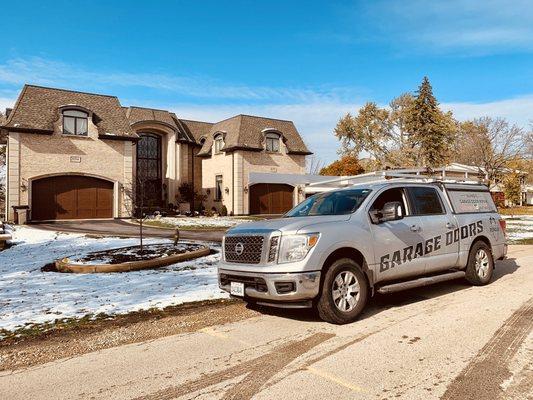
(380, 176)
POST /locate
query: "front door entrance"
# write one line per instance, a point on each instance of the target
(149, 171)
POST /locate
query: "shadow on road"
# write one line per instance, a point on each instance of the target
(382, 302)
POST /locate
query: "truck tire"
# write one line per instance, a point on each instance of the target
(344, 292)
(480, 264)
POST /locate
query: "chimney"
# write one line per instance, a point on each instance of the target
(8, 111)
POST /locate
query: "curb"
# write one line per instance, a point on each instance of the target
(64, 264)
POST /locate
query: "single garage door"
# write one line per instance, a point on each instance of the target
(270, 198)
(71, 197)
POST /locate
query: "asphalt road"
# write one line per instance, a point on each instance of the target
(449, 341)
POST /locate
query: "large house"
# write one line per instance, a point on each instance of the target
(75, 155)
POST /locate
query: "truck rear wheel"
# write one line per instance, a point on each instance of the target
(480, 264)
(344, 292)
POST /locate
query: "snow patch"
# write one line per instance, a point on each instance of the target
(206, 222)
(29, 296)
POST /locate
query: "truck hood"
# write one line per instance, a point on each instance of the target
(286, 225)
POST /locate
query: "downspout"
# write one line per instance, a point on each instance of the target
(233, 183)
(192, 178)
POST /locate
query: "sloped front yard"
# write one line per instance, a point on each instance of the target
(29, 296)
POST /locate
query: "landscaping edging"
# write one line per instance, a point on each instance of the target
(64, 265)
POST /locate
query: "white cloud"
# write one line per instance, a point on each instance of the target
(53, 73)
(518, 110)
(480, 27)
(6, 103)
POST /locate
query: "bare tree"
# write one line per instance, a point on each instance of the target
(313, 165)
(490, 143)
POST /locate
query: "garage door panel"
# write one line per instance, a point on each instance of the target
(86, 200)
(104, 202)
(268, 198)
(71, 197)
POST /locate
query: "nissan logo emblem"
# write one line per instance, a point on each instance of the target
(239, 248)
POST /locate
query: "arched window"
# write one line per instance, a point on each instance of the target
(272, 142)
(75, 122)
(219, 143)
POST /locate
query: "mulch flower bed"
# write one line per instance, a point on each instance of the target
(134, 253)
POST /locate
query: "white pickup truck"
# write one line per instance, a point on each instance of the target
(337, 248)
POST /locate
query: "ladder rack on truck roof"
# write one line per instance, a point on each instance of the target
(395, 175)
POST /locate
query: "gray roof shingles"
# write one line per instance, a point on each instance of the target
(247, 132)
(37, 110)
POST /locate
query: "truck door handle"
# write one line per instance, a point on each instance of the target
(414, 228)
(449, 225)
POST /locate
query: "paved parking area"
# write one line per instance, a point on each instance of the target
(449, 341)
(118, 227)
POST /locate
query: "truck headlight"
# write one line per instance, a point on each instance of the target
(295, 247)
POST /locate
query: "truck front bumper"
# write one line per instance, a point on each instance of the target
(287, 290)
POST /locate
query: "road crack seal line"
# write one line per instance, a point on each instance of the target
(256, 372)
(483, 376)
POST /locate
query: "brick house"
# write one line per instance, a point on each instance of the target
(75, 155)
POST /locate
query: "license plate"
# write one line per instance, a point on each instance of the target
(237, 289)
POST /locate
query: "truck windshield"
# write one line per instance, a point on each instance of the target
(330, 203)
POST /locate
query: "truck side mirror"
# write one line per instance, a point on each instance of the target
(391, 211)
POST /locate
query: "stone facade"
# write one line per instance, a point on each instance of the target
(235, 168)
(34, 156)
(107, 150)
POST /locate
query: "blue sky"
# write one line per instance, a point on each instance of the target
(309, 61)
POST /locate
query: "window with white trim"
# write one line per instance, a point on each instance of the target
(75, 122)
(219, 144)
(218, 188)
(272, 142)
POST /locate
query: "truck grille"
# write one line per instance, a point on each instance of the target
(243, 249)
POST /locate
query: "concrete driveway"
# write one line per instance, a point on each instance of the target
(118, 227)
(450, 341)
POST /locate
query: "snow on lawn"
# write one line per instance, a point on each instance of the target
(29, 296)
(202, 222)
(519, 227)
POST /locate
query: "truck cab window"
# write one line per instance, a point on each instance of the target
(394, 194)
(425, 201)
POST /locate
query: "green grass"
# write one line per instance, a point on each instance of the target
(39, 329)
(522, 241)
(524, 210)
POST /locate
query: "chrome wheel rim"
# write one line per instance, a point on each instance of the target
(346, 291)
(482, 263)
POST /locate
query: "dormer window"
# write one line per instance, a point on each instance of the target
(75, 122)
(219, 144)
(272, 142)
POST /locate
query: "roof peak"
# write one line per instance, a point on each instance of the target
(150, 108)
(27, 85)
(195, 120)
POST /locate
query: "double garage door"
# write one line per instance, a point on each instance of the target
(71, 197)
(270, 198)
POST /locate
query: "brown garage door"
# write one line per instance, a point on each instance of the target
(270, 198)
(71, 197)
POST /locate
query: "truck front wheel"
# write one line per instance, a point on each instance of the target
(344, 292)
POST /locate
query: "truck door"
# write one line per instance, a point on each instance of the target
(397, 244)
(436, 220)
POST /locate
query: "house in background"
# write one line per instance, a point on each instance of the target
(452, 171)
(76, 155)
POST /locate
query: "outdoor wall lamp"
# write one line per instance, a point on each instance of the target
(245, 189)
(226, 189)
